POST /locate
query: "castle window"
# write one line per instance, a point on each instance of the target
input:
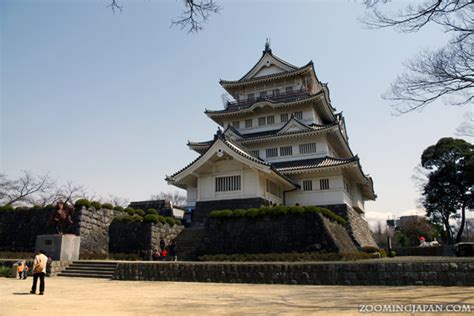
(256, 152)
(286, 151)
(298, 115)
(307, 185)
(324, 184)
(262, 121)
(225, 184)
(273, 188)
(263, 94)
(250, 96)
(289, 89)
(307, 148)
(236, 124)
(271, 152)
(284, 117)
(248, 123)
(347, 187)
(276, 92)
(270, 120)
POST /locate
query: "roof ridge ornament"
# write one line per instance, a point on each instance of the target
(267, 47)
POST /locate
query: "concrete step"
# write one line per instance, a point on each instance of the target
(85, 268)
(84, 275)
(95, 263)
(90, 269)
(101, 272)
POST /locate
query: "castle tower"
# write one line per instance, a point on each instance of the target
(282, 143)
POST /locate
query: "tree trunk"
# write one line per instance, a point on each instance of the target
(463, 222)
(449, 235)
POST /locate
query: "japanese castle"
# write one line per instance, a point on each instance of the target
(282, 142)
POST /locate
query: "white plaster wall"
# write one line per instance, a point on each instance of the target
(296, 83)
(335, 195)
(191, 196)
(249, 182)
(321, 148)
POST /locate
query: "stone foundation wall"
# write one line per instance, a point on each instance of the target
(358, 227)
(275, 234)
(353, 273)
(140, 238)
(93, 227)
(18, 229)
(202, 209)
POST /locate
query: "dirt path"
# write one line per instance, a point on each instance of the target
(77, 296)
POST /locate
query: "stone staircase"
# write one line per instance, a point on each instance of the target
(188, 242)
(90, 269)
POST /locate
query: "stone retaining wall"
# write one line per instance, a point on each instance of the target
(341, 273)
(139, 237)
(275, 234)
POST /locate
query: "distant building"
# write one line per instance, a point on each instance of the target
(404, 221)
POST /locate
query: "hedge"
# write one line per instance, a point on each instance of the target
(108, 206)
(82, 202)
(140, 212)
(277, 211)
(148, 218)
(118, 208)
(151, 211)
(96, 205)
(130, 211)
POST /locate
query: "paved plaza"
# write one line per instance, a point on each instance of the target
(80, 296)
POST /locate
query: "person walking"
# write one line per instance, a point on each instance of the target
(39, 271)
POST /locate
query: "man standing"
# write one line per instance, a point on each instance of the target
(39, 271)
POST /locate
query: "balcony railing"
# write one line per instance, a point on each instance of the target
(275, 97)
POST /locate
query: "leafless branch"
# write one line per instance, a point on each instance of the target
(24, 188)
(115, 6)
(446, 73)
(195, 14)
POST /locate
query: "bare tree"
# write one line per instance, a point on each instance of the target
(176, 197)
(23, 189)
(117, 201)
(194, 15)
(467, 125)
(446, 73)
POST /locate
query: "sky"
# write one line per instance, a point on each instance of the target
(109, 100)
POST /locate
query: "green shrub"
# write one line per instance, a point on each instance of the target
(151, 218)
(239, 213)
(295, 210)
(118, 208)
(278, 211)
(151, 211)
(49, 207)
(130, 211)
(6, 208)
(177, 222)
(251, 213)
(161, 219)
(96, 205)
(140, 212)
(137, 218)
(170, 221)
(124, 218)
(5, 272)
(82, 202)
(108, 206)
